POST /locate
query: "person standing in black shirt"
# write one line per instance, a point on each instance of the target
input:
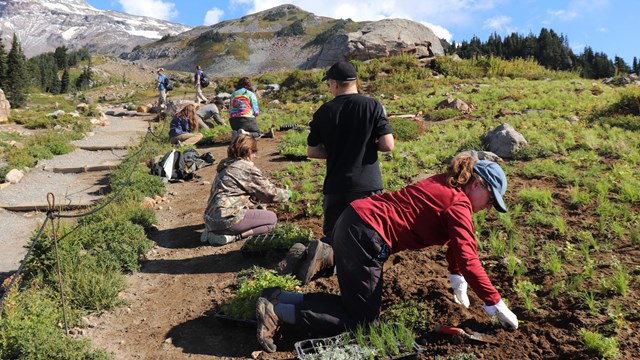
(347, 131)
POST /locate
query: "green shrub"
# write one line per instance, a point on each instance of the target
(250, 285)
(56, 143)
(294, 145)
(125, 210)
(29, 329)
(20, 158)
(92, 281)
(603, 346)
(142, 183)
(116, 242)
(406, 129)
(441, 114)
(412, 314)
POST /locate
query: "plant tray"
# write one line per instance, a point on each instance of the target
(235, 321)
(314, 346)
(262, 244)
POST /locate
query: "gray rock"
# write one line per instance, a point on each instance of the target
(5, 108)
(381, 38)
(504, 141)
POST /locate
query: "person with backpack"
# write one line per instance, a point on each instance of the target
(243, 109)
(162, 89)
(184, 127)
(197, 78)
(232, 211)
(437, 211)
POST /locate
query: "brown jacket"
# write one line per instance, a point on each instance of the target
(238, 186)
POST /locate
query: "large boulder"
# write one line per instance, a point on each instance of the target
(5, 108)
(381, 38)
(504, 141)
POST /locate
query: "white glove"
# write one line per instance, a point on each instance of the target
(507, 318)
(459, 285)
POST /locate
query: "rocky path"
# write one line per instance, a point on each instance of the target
(76, 180)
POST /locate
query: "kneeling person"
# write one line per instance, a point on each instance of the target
(231, 212)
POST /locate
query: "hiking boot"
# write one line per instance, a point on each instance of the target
(291, 262)
(267, 324)
(319, 257)
(268, 135)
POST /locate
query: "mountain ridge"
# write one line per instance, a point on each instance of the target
(41, 26)
(286, 37)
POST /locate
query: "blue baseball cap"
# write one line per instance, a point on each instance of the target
(495, 178)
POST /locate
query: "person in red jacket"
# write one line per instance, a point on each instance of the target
(434, 211)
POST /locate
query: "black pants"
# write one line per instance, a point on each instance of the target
(245, 123)
(334, 204)
(359, 254)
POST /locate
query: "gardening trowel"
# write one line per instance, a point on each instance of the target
(457, 331)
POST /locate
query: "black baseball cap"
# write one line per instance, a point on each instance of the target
(341, 71)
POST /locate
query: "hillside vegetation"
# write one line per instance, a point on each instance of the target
(565, 255)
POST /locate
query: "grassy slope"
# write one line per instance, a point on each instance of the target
(573, 193)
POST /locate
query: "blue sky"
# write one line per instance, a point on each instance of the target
(604, 25)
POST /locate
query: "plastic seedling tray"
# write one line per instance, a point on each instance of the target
(306, 348)
(259, 245)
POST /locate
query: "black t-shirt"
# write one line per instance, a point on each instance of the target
(349, 126)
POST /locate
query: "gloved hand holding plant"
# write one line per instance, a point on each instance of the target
(507, 318)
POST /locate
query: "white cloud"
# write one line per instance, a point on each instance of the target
(440, 32)
(566, 15)
(153, 8)
(602, 29)
(442, 12)
(498, 23)
(213, 16)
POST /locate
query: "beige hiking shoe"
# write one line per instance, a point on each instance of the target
(267, 324)
(319, 257)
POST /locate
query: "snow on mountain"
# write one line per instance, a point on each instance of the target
(43, 25)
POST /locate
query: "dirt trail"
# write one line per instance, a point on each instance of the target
(173, 298)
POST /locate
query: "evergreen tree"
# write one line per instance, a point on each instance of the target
(621, 66)
(64, 82)
(635, 65)
(61, 57)
(602, 66)
(55, 85)
(587, 62)
(17, 82)
(84, 80)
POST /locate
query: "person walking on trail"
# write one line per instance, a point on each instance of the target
(197, 76)
(243, 109)
(209, 111)
(434, 211)
(162, 90)
(348, 132)
(239, 186)
(184, 127)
